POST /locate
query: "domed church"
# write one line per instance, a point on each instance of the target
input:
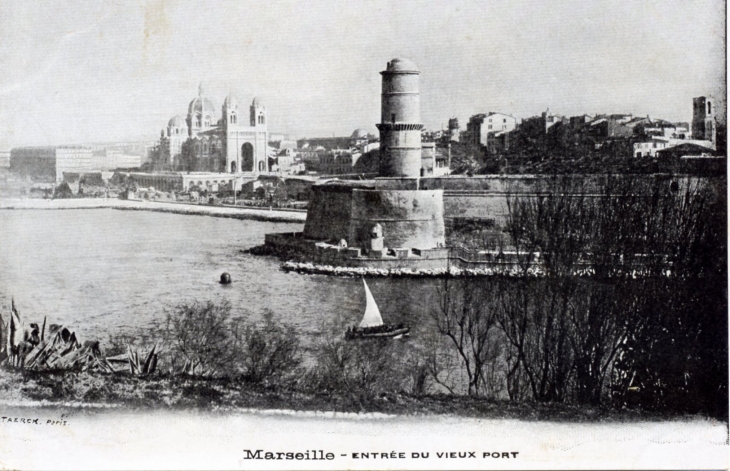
(206, 143)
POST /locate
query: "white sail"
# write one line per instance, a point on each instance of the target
(371, 318)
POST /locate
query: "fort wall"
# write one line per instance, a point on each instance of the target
(411, 219)
(329, 213)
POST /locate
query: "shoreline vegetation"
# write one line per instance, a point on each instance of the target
(253, 367)
(558, 346)
(272, 215)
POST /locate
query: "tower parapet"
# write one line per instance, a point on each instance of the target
(400, 120)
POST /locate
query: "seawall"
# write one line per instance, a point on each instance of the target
(176, 208)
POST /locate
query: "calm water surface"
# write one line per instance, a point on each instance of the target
(105, 272)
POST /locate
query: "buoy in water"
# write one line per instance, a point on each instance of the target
(225, 278)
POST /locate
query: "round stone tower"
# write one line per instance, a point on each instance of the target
(400, 120)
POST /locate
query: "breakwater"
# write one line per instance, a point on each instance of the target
(315, 269)
(509, 270)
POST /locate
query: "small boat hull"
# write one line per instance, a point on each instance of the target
(372, 326)
(368, 333)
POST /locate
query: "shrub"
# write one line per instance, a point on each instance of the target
(206, 338)
(363, 369)
(271, 352)
(63, 191)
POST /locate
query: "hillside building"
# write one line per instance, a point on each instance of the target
(480, 127)
(453, 133)
(704, 126)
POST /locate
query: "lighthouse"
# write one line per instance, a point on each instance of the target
(400, 120)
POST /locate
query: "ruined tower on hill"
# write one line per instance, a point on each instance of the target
(400, 120)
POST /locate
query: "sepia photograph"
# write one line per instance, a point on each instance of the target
(363, 234)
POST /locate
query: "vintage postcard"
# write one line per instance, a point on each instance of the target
(363, 235)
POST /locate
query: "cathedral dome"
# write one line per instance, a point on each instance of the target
(359, 133)
(177, 122)
(230, 101)
(201, 104)
(402, 65)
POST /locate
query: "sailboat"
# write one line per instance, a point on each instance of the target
(371, 325)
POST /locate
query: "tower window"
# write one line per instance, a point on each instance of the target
(392, 118)
(709, 108)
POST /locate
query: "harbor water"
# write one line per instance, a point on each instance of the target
(105, 273)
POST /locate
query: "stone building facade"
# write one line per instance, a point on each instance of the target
(482, 127)
(232, 143)
(47, 164)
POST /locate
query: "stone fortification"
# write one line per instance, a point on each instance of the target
(400, 120)
(409, 219)
(412, 234)
(329, 213)
(400, 219)
(350, 210)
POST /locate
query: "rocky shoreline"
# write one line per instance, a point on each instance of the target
(314, 269)
(510, 271)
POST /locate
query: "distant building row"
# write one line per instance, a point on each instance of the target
(358, 154)
(499, 133)
(48, 164)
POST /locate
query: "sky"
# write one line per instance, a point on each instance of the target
(74, 72)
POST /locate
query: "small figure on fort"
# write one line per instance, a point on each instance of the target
(376, 237)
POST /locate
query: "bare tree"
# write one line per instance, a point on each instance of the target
(468, 319)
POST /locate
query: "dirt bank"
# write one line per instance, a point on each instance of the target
(177, 392)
